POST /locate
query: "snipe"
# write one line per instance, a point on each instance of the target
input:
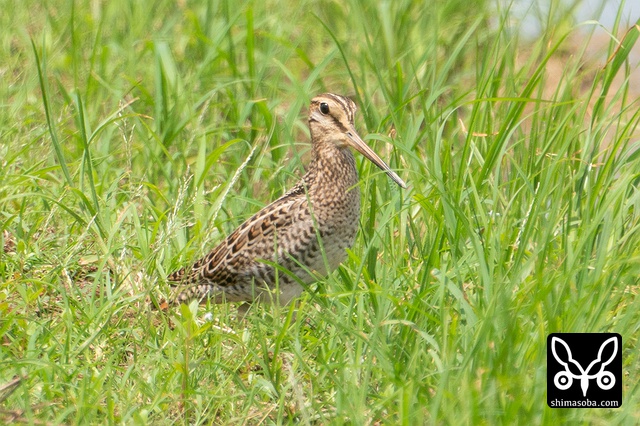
(305, 232)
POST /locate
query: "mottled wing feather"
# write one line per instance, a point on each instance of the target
(237, 259)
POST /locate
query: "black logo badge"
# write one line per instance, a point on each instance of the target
(584, 370)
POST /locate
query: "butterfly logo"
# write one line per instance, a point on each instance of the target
(564, 379)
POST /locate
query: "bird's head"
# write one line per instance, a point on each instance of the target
(331, 120)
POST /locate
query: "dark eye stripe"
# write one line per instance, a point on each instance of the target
(346, 104)
(340, 125)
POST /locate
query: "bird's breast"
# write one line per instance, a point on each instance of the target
(338, 219)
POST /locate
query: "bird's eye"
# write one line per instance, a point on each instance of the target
(324, 108)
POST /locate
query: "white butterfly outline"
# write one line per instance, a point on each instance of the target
(584, 377)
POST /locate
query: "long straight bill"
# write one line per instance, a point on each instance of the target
(364, 149)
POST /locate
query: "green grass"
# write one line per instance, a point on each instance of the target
(135, 135)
